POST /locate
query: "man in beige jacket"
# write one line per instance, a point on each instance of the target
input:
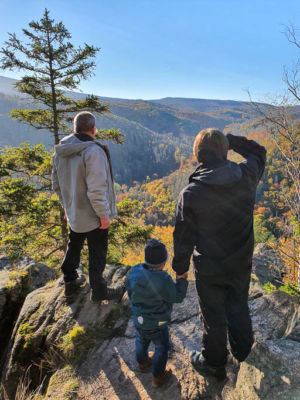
(82, 178)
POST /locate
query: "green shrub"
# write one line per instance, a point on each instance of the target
(290, 289)
(287, 288)
(269, 287)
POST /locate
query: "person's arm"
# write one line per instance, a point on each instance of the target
(254, 154)
(174, 292)
(184, 237)
(96, 181)
(55, 182)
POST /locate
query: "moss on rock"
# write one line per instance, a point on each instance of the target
(63, 385)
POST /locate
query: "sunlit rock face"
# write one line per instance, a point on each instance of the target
(97, 345)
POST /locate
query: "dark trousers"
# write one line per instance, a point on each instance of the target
(97, 245)
(224, 309)
(160, 338)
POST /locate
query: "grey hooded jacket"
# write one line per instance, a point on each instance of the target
(82, 179)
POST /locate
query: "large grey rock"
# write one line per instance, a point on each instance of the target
(275, 316)
(45, 319)
(108, 370)
(271, 372)
(39, 274)
(15, 283)
(268, 265)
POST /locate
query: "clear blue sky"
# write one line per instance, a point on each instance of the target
(188, 48)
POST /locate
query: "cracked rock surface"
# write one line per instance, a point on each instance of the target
(271, 371)
(107, 369)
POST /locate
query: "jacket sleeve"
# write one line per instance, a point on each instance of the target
(96, 181)
(184, 236)
(174, 292)
(55, 182)
(254, 154)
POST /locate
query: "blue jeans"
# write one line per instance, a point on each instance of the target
(160, 338)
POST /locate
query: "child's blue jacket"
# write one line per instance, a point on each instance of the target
(151, 294)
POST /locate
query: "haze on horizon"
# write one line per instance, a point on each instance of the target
(150, 49)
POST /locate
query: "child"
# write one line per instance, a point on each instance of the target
(151, 292)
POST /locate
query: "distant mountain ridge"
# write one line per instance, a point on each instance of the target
(155, 129)
(201, 105)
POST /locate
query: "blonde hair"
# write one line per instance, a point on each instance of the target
(210, 144)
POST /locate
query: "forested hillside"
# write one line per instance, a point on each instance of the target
(157, 132)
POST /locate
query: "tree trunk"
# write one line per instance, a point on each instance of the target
(64, 228)
(53, 91)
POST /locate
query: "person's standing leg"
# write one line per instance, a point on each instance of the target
(141, 347)
(72, 256)
(239, 321)
(97, 244)
(212, 304)
(162, 347)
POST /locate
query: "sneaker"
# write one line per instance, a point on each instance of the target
(158, 381)
(73, 286)
(201, 365)
(144, 367)
(115, 293)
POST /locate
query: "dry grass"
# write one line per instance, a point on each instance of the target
(23, 390)
(50, 362)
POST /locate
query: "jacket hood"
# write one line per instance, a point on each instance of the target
(223, 173)
(70, 146)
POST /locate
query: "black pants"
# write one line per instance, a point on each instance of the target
(224, 309)
(97, 245)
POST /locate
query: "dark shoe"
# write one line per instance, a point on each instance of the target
(111, 294)
(201, 365)
(72, 286)
(115, 294)
(147, 364)
(94, 299)
(158, 381)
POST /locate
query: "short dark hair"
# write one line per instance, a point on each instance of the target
(84, 122)
(210, 144)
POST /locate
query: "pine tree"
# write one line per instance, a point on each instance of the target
(52, 66)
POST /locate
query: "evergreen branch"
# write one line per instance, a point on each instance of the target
(90, 103)
(111, 134)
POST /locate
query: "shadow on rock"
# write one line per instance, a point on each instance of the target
(110, 369)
